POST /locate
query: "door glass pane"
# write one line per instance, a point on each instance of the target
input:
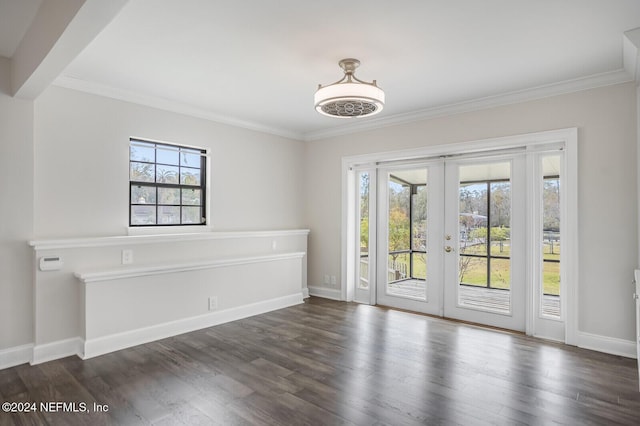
(407, 229)
(419, 265)
(485, 237)
(473, 271)
(551, 246)
(364, 179)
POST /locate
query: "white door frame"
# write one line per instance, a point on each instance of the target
(531, 142)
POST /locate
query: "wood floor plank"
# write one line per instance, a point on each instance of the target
(329, 363)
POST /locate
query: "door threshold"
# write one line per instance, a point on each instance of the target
(459, 321)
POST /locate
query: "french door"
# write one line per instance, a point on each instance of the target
(450, 240)
(484, 241)
(409, 273)
(484, 232)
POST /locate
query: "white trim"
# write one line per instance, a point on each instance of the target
(325, 293)
(470, 147)
(56, 350)
(150, 239)
(115, 274)
(531, 142)
(347, 229)
(163, 104)
(518, 96)
(569, 86)
(172, 230)
(609, 345)
(305, 293)
(570, 272)
(16, 355)
(114, 342)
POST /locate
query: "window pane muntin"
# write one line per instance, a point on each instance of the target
(191, 197)
(168, 177)
(190, 176)
(144, 152)
(142, 172)
(143, 194)
(191, 215)
(168, 215)
(167, 174)
(169, 196)
(167, 156)
(190, 158)
(143, 215)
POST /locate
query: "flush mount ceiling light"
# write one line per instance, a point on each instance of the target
(349, 97)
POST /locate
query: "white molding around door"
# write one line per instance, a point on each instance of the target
(562, 139)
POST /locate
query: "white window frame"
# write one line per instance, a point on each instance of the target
(180, 228)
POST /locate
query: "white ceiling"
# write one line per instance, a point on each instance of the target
(257, 63)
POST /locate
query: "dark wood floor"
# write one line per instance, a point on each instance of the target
(333, 363)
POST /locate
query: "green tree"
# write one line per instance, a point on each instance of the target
(399, 232)
(364, 234)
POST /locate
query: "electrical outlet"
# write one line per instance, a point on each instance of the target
(127, 257)
(213, 303)
(274, 245)
(333, 280)
(326, 279)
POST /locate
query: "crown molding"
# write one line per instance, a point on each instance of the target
(622, 75)
(540, 92)
(74, 83)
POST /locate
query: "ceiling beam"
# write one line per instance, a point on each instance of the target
(59, 32)
(631, 53)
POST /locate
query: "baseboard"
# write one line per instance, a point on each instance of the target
(326, 293)
(111, 343)
(56, 350)
(15, 356)
(305, 293)
(610, 345)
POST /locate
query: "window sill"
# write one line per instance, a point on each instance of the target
(167, 230)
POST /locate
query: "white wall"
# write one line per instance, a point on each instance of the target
(606, 122)
(64, 174)
(16, 215)
(81, 166)
(165, 290)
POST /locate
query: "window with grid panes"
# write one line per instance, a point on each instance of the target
(166, 184)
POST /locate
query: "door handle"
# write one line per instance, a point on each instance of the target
(448, 249)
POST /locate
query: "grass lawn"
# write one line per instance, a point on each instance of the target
(475, 272)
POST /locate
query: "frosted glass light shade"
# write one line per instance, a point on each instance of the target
(349, 100)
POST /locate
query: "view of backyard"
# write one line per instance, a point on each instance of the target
(484, 232)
